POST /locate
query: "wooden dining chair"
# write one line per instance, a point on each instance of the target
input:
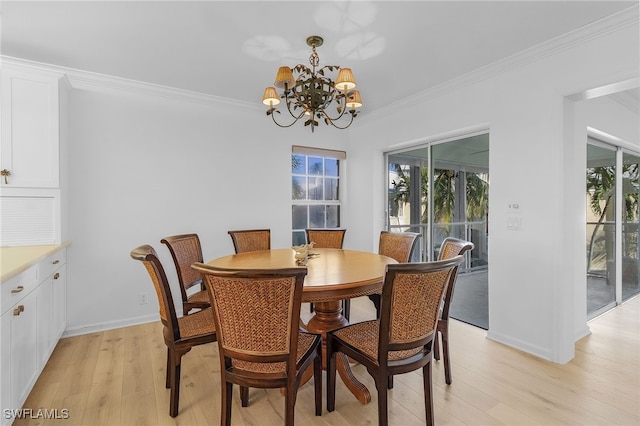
(185, 250)
(401, 340)
(326, 238)
(449, 248)
(257, 316)
(329, 238)
(251, 240)
(398, 246)
(180, 333)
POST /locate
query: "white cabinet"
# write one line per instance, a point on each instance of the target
(30, 128)
(32, 133)
(51, 306)
(33, 319)
(58, 305)
(20, 322)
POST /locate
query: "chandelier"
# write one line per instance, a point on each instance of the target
(311, 94)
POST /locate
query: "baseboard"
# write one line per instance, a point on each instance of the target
(94, 328)
(520, 345)
(583, 332)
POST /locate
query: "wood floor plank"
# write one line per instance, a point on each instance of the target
(137, 383)
(105, 391)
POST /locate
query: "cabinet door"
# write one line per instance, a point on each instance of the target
(24, 365)
(30, 128)
(44, 320)
(6, 398)
(59, 307)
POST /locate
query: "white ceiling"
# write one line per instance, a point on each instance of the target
(232, 49)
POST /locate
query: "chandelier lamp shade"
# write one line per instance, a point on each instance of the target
(311, 92)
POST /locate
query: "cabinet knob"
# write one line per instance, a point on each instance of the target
(56, 276)
(55, 262)
(17, 289)
(5, 173)
(18, 310)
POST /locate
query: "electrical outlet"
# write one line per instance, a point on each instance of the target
(143, 299)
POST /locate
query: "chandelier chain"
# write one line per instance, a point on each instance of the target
(314, 59)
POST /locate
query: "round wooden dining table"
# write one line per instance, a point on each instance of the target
(332, 275)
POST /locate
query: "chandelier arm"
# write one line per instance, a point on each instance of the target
(273, 117)
(343, 109)
(353, 114)
(288, 102)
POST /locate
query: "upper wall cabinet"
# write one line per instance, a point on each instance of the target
(30, 129)
(32, 155)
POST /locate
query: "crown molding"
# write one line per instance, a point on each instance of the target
(91, 81)
(600, 28)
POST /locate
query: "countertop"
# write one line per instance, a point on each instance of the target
(14, 260)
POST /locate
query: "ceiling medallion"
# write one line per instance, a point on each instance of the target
(311, 93)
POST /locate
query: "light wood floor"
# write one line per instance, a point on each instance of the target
(117, 378)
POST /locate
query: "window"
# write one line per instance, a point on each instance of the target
(315, 190)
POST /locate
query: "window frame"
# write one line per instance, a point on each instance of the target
(298, 235)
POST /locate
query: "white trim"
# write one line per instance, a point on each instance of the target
(618, 214)
(452, 135)
(521, 345)
(612, 140)
(111, 325)
(91, 81)
(606, 90)
(318, 152)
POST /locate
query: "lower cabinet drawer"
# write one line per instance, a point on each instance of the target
(15, 289)
(51, 263)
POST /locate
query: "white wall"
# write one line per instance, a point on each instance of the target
(143, 167)
(535, 162)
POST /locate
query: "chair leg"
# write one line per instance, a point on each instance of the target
(375, 298)
(317, 381)
(346, 308)
(244, 396)
(168, 378)
(225, 406)
(428, 394)
(311, 307)
(436, 345)
(331, 378)
(390, 382)
(290, 405)
(176, 360)
(445, 354)
(383, 409)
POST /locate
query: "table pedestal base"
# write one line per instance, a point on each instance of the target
(328, 317)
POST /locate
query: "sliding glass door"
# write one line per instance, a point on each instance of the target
(441, 190)
(630, 267)
(612, 226)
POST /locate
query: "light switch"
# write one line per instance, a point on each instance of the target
(514, 223)
(514, 220)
